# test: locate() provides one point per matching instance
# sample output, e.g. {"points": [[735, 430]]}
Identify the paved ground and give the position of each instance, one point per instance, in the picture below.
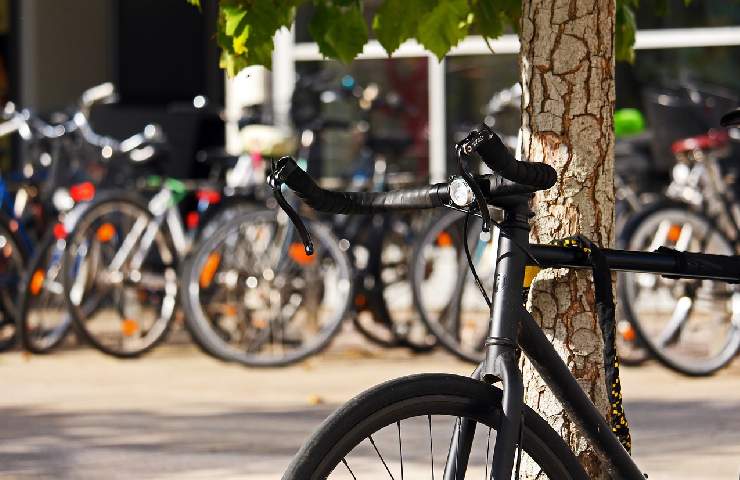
{"points": [[179, 414]]}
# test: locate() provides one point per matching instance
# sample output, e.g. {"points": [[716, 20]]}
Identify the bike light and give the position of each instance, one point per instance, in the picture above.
{"points": [[210, 196], [82, 192], [60, 233], [460, 192], [192, 220]]}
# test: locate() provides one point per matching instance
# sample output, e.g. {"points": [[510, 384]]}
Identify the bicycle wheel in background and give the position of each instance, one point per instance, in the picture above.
{"points": [[690, 326], [43, 319], [251, 294], [389, 317], [12, 263], [119, 276], [445, 293], [404, 428]]}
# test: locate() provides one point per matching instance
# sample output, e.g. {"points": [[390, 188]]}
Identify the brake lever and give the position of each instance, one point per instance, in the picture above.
{"points": [[463, 150], [276, 184]]}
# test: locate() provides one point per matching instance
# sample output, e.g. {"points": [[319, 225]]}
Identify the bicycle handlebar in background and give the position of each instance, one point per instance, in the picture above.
{"points": [[103, 93]]}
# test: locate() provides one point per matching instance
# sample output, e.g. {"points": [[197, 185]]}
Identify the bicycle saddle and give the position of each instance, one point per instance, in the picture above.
{"points": [[268, 140], [731, 119], [711, 140]]}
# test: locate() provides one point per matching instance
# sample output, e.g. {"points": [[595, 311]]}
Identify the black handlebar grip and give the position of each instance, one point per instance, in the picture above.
{"points": [[288, 172], [498, 158]]}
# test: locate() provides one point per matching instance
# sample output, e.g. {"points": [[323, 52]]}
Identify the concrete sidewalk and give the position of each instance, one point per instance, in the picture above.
{"points": [[179, 414]]}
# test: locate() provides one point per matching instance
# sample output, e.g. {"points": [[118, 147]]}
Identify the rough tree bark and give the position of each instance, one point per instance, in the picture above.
{"points": [[567, 64]]}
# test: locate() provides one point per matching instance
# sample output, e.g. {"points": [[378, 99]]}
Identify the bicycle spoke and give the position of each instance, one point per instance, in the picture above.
{"points": [[678, 320], [400, 447], [344, 461], [488, 451], [431, 444], [372, 442]]}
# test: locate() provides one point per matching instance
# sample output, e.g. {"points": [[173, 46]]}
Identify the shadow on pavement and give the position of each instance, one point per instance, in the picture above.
{"points": [[249, 444]]}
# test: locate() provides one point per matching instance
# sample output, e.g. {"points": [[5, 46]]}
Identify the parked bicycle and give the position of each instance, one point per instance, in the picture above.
{"points": [[37, 196], [391, 428], [690, 326]]}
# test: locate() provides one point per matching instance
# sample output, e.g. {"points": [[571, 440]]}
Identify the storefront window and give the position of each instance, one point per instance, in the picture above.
{"points": [[362, 110]]}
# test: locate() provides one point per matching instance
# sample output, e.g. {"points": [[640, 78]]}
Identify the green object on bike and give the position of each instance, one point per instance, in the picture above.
{"points": [[628, 121], [177, 188], [153, 181]]}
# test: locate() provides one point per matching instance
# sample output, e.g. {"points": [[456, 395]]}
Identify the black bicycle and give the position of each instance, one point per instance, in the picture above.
{"points": [[397, 429]]}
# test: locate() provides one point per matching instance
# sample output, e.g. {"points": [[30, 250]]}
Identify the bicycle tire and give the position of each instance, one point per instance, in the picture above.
{"points": [[199, 322], [379, 251], [48, 340], [12, 263], [112, 202], [418, 269], [419, 396], [410, 329], [626, 290]]}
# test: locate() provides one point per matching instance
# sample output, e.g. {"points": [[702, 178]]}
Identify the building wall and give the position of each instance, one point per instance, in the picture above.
{"points": [[65, 47]]}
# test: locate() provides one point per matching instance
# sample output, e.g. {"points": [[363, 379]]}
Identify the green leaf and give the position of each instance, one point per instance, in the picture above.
{"points": [[233, 16], [319, 27], [233, 64], [512, 10], [488, 18], [625, 29], [396, 21], [339, 29], [349, 36], [195, 3], [442, 27]]}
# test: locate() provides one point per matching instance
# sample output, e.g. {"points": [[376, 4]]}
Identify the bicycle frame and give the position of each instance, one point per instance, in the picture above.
{"points": [[512, 327]]}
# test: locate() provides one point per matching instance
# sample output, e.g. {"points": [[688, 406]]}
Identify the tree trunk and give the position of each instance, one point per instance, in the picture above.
{"points": [[567, 64]]}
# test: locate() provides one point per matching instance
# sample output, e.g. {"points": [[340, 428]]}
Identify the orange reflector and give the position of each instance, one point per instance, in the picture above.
{"points": [[360, 300], [37, 281], [106, 232], [60, 233], [298, 253], [129, 327], [628, 332], [259, 323], [444, 239], [209, 269], [674, 233], [230, 310]]}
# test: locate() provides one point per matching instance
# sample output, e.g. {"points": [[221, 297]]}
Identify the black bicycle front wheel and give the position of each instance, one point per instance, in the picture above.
{"points": [[404, 428]]}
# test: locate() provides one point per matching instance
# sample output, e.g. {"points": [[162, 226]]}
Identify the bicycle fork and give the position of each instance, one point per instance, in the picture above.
{"points": [[501, 362]]}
